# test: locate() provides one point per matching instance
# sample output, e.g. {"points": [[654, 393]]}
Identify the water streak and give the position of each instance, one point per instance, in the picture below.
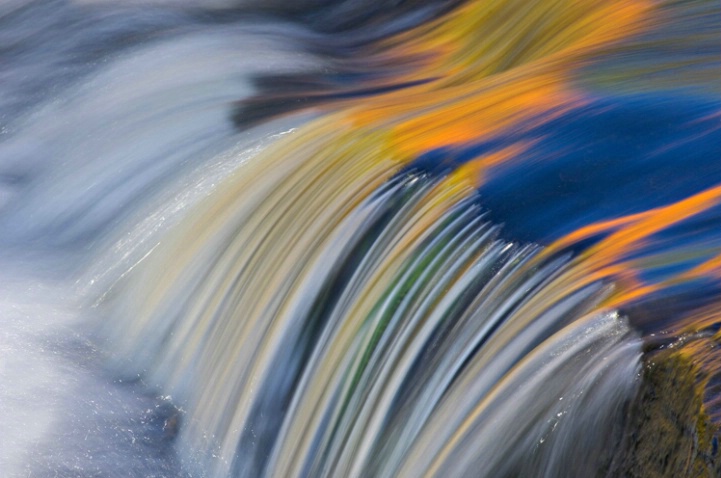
{"points": [[346, 239]]}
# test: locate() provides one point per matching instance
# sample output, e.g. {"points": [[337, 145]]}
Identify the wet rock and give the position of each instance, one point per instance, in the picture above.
{"points": [[668, 432]]}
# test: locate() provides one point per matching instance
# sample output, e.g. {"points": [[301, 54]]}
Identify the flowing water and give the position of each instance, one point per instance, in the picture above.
{"points": [[348, 239]]}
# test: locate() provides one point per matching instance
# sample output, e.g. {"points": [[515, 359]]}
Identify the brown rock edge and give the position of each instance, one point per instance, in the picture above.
{"points": [[667, 432]]}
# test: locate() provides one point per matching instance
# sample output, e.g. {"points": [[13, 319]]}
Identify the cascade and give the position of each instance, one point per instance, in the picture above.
{"points": [[326, 239]]}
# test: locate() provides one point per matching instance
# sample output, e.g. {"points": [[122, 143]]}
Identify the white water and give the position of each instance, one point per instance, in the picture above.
{"points": [[142, 270], [103, 145]]}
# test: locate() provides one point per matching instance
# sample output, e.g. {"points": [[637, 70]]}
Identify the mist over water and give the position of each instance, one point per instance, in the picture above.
{"points": [[114, 122], [348, 239]]}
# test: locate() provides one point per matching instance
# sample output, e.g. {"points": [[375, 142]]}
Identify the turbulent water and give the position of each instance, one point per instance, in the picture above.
{"points": [[351, 238]]}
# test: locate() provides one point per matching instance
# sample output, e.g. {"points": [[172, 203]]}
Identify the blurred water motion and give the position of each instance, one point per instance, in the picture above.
{"points": [[350, 238]]}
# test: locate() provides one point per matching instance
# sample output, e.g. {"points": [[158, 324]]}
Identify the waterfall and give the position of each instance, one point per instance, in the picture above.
{"points": [[443, 238]]}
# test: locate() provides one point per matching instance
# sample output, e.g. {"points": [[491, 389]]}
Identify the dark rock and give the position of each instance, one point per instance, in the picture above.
{"points": [[668, 432]]}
